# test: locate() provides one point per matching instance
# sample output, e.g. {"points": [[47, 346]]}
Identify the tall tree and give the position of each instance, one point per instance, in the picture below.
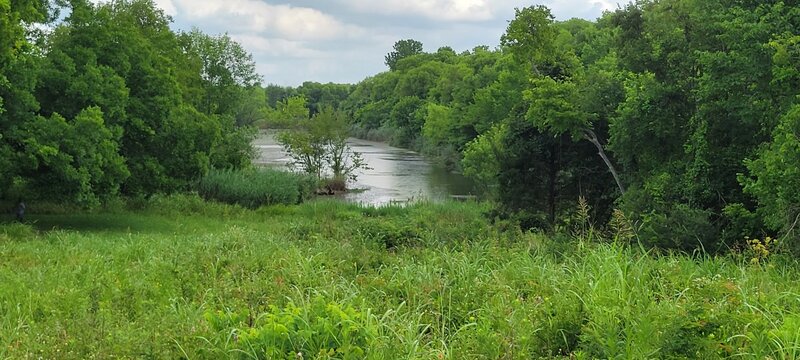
{"points": [[402, 49], [69, 156], [556, 72], [16, 79], [122, 57], [531, 36], [226, 70], [775, 178]]}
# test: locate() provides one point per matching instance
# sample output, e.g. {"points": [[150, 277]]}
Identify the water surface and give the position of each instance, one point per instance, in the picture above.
{"points": [[396, 175]]}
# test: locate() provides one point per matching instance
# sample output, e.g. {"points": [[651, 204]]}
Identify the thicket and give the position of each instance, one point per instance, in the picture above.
{"points": [[109, 101]]}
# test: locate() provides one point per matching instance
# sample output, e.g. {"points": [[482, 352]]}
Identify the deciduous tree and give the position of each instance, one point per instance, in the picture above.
{"points": [[402, 49]]}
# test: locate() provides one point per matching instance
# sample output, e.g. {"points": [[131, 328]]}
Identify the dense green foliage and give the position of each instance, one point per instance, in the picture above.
{"points": [[253, 188], [474, 111], [285, 107], [111, 101], [185, 278], [691, 107]]}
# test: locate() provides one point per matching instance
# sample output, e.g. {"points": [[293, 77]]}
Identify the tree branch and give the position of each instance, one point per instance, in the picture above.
{"points": [[590, 135]]}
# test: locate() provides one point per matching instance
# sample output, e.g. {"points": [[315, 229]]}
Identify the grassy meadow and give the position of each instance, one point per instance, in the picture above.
{"points": [[177, 277]]}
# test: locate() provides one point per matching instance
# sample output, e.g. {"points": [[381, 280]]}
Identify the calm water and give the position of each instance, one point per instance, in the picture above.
{"points": [[397, 175]]}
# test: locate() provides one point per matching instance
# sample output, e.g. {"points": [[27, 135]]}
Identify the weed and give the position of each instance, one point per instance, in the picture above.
{"points": [[759, 250], [16, 231], [319, 329]]}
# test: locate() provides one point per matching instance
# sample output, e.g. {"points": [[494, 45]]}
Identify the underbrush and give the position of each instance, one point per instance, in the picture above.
{"points": [[330, 280], [17, 231]]}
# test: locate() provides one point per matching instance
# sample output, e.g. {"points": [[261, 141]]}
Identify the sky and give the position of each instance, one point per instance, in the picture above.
{"points": [[345, 41]]}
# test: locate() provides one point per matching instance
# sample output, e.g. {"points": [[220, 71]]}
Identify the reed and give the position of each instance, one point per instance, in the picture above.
{"points": [[255, 187]]}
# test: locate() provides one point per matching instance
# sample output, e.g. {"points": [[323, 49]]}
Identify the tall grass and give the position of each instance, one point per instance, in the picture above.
{"points": [[334, 281], [255, 187]]}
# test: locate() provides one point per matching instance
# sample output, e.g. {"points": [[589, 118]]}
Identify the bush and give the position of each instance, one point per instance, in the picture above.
{"points": [[680, 227], [254, 188], [666, 223], [388, 232], [773, 179], [319, 329]]}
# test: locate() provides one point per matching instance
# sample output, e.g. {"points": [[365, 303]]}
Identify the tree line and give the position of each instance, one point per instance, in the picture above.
{"points": [[98, 101], [682, 114]]}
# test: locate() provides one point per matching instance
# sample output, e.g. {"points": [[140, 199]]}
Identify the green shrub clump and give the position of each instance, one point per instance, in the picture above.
{"points": [[320, 329], [255, 187]]}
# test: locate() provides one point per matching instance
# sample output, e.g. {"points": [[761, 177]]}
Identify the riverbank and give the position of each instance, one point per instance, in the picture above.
{"points": [[183, 278]]}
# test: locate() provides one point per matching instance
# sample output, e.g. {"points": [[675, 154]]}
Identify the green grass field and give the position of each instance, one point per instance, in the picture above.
{"points": [[180, 278]]}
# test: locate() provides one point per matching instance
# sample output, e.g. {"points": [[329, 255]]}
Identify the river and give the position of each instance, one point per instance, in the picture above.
{"points": [[395, 176]]}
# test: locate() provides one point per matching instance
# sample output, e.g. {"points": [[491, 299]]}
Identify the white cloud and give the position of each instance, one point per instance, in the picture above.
{"points": [[590, 9], [345, 40], [260, 45], [167, 6], [606, 5], [447, 10], [292, 23]]}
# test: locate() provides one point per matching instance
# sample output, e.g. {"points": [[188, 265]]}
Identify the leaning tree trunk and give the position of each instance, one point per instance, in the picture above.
{"points": [[590, 135]]}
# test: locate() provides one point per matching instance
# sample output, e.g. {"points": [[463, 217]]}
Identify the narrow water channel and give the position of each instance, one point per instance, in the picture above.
{"points": [[395, 176]]}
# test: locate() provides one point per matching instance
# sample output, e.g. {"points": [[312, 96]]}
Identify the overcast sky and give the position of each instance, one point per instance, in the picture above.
{"points": [[345, 41]]}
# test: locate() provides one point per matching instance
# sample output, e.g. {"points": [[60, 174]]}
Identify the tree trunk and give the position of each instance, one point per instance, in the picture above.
{"points": [[592, 137], [551, 191]]}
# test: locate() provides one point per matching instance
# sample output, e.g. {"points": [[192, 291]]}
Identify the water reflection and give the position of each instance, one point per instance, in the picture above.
{"points": [[396, 175]]}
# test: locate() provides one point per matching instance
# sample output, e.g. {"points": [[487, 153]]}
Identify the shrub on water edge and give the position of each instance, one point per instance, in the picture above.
{"points": [[255, 187], [307, 185], [336, 184]]}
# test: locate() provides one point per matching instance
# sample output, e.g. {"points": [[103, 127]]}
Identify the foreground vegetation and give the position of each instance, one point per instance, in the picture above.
{"points": [[179, 277]]}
